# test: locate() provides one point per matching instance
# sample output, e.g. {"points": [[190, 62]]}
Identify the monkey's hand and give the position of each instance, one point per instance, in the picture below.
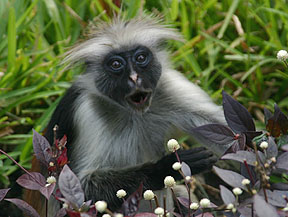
{"points": [[198, 159]]}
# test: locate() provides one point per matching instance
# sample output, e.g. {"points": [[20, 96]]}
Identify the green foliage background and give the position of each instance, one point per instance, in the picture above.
{"points": [[230, 44]]}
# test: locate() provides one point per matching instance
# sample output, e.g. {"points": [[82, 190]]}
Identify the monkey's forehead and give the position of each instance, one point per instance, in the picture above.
{"points": [[121, 34]]}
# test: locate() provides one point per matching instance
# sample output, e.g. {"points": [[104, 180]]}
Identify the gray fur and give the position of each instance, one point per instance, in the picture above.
{"points": [[108, 136]]}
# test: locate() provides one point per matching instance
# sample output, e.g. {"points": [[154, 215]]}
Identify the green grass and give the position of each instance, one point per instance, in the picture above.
{"points": [[35, 35]]}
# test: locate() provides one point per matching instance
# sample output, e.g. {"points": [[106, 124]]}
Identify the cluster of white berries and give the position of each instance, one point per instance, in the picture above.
{"points": [[282, 55], [50, 180], [159, 211], [264, 145], [245, 182], [176, 166], [148, 195], [101, 206], [194, 206], [173, 145], [121, 193], [237, 191], [169, 182]]}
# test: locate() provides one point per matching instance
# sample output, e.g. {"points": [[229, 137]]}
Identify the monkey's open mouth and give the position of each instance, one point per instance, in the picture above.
{"points": [[139, 99]]}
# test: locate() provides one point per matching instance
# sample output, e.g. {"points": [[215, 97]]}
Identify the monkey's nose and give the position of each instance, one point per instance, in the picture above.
{"points": [[134, 77]]}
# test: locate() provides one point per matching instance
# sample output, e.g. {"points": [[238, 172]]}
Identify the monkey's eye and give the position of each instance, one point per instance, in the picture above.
{"points": [[116, 64], [141, 58]]}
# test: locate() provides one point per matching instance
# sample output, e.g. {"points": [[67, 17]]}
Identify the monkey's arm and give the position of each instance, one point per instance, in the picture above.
{"points": [[103, 184]]}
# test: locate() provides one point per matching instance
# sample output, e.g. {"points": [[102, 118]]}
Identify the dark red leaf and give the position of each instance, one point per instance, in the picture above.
{"points": [[62, 159], [61, 212], [25, 207], [32, 181], [185, 169], [3, 193], [70, 187], [273, 127], [231, 178], [131, 205], [267, 115], [236, 115], [216, 136], [42, 148], [226, 195], [145, 214], [282, 119], [47, 191], [282, 161], [73, 213], [262, 208], [184, 201], [240, 156]]}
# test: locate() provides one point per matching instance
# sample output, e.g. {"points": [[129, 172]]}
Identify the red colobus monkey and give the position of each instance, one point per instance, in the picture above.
{"points": [[119, 114]]}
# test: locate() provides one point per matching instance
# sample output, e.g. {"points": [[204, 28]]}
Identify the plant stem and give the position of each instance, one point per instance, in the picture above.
{"points": [[177, 156], [156, 201], [177, 203], [164, 205], [22, 168], [265, 195], [249, 172]]}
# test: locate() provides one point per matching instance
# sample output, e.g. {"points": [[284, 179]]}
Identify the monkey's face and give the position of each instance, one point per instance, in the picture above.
{"points": [[130, 77]]}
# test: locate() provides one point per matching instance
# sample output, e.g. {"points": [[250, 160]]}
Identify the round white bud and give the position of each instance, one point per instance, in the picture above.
{"points": [[245, 182], [264, 145], [234, 210], [159, 211], [65, 205], [273, 159], [121, 193], [188, 178], [101, 205], [173, 145], [51, 179], [230, 206], [169, 181], [118, 215], [176, 166], [148, 195], [194, 206], [205, 203], [282, 55], [106, 215], [237, 191], [51, 164]]}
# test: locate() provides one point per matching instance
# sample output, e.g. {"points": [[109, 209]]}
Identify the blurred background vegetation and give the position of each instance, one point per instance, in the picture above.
{"points": [[230, 45]]}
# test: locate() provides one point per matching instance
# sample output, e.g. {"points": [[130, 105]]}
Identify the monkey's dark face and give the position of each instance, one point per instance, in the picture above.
{"points": [[130, 77]]}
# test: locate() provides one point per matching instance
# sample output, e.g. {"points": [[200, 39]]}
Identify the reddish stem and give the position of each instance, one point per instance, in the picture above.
{"points": [[249, 172]]}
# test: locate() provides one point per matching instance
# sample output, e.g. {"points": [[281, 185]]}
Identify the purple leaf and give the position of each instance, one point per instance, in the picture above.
{"points": [[250, 135], [32, 181], [282, 161], [184, 201], [185, 169], [216, 136], [25, 207], [41, 148], [145, 214], [240, 156], [47, 191], [262, 208], [280, 186], [231, 178], [131, 204], [275, 198], [61, 212], [226, 195], [236, 115], [272, 150], [70, 186], [284, 147], [3, 193]]}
